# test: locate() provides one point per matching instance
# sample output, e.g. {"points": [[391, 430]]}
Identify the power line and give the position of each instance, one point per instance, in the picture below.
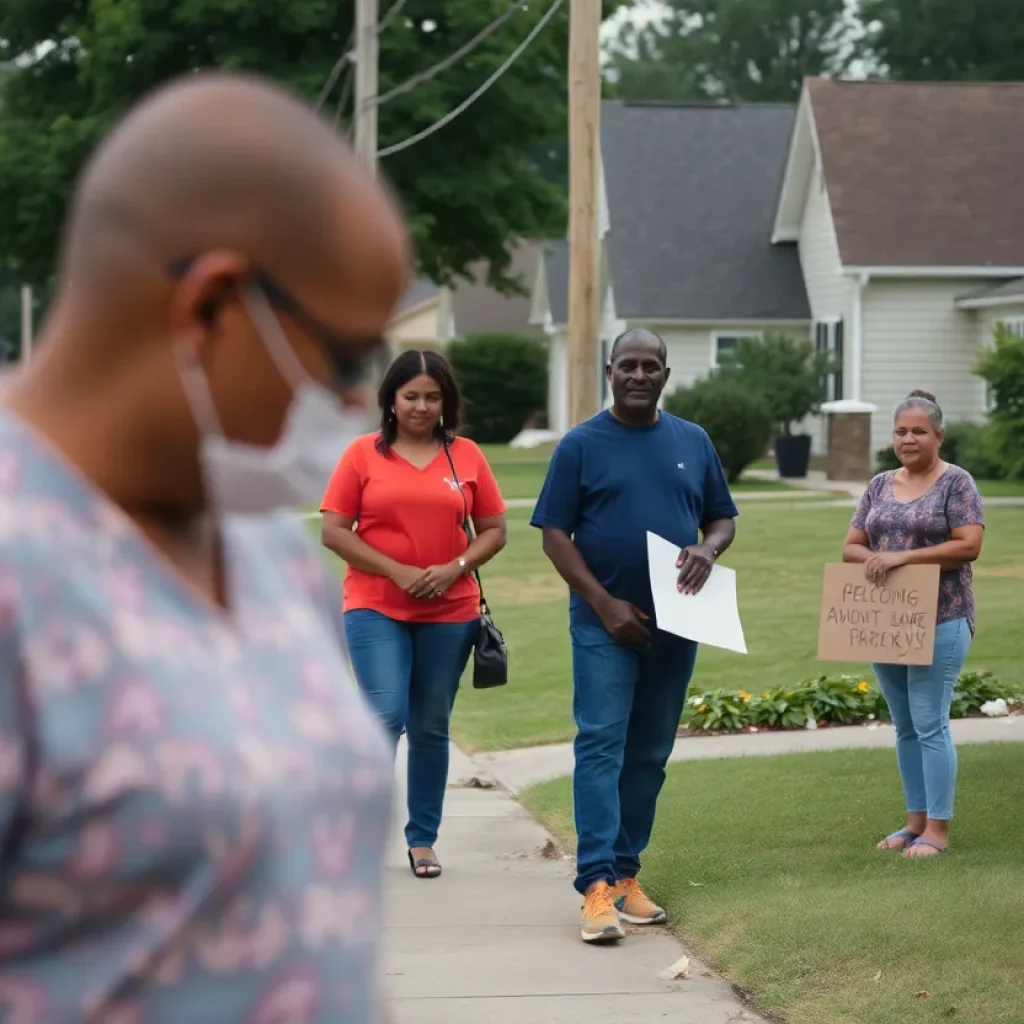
{"points": [[339, 65], [426, 76], [392, 12], [469, 101]]}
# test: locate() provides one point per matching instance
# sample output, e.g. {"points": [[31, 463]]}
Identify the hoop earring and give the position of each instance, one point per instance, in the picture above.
{"points": [[440, 421], [392, 414]]}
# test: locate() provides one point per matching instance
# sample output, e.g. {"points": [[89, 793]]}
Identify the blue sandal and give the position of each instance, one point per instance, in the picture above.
{"points": [[911, 837], [925, 842]]}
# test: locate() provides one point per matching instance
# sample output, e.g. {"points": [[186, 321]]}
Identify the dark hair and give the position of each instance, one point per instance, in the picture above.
{"points": [[406, 367], [639, 334], [925, 401]]}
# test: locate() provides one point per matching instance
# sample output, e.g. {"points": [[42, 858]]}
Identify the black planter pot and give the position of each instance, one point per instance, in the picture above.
{"points": [[793, 456]]}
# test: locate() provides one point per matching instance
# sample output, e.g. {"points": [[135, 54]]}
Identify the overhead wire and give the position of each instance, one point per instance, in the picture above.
{"points": [[470, 100]]}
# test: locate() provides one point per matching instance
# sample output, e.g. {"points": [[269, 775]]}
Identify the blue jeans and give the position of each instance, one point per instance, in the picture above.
{"points": [[410, 674], [627, 703], [919, 699]]}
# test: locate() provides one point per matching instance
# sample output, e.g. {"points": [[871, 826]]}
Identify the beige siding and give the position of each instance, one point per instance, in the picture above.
{"points": [[988, 318], [829, 293], [916, 337], [416, 329]]}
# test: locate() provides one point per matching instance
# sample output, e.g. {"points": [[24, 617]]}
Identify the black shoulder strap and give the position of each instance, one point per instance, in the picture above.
{"points": [[466, 524]]}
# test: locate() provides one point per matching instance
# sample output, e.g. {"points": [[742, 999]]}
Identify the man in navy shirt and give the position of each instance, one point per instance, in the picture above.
{"points": [[628, 470]]}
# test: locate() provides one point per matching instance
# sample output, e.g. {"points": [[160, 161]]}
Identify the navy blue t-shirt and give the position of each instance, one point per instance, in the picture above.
{"points": [[609, 483]]}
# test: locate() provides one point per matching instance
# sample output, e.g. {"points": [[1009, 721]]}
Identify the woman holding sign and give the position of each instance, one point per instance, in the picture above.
{"points": [[928, 512]]}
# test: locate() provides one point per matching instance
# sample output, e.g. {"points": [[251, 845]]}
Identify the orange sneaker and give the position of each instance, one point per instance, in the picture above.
{"points": [[601, 922], [634, 905]]}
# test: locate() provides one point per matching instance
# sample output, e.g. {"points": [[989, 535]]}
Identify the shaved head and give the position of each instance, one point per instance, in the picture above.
{"points": [[641, 334], [213, 189], [219, 161]]}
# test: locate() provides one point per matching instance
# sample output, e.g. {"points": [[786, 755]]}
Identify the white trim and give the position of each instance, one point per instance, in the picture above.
{"points": [[991, 302], [723, 324], [803, 120], [970, 271], [857, 338], [717, 334], [848, 405]]}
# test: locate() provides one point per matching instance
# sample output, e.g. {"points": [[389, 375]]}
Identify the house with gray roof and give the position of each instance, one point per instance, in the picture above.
{"points": [[882, 219]]}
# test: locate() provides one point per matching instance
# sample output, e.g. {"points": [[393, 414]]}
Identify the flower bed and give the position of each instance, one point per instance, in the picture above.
{"points": [[831, 701]]}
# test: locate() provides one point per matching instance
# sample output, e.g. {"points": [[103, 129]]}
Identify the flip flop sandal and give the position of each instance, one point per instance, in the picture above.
{"points": [[903, 833], [926, 842], [429, 868]]}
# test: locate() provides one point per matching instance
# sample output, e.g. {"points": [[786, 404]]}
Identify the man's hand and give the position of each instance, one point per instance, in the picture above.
{"points": [[695, 564], [624, 621], [433, 582], [878, 566]]}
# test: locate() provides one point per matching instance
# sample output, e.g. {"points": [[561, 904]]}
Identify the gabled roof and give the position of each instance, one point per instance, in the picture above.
{"points": [[1009, 294], [921, 175], [692, 190], [478, 308], [417, 294]]}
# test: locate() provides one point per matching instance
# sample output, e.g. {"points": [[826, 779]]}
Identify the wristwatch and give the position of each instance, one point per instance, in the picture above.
{"points": [[463, 565]]}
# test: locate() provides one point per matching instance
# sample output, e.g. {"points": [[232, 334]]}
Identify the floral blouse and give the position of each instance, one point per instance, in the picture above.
{"points": [[891, 525], [194, 803]]}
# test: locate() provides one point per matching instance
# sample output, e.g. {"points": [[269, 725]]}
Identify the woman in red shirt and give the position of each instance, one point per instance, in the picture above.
{"points": [[394, 512]]}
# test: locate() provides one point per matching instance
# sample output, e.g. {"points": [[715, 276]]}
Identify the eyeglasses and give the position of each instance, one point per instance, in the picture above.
{"points": [[347, 370]]}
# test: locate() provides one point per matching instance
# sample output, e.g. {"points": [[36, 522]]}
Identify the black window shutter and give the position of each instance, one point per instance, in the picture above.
{"points": [[837, 380]]}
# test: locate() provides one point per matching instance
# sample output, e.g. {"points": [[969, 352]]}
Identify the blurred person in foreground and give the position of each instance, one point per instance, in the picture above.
{"points": [[395, 512], [625, 471], [194, 799], [928, 512]]}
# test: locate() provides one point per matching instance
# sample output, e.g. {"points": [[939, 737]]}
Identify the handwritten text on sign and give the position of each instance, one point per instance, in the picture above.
{"points": [[889, 624]]}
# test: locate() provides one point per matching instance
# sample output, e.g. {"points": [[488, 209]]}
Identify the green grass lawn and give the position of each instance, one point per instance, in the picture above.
{"points": [[779, 554], [767, 867]]}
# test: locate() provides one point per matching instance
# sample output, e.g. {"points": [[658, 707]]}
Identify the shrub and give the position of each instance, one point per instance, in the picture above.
{"points": [[1002, 367], [838, 700], [504, 381], [972, 446], [787, 371], [738, 420]]}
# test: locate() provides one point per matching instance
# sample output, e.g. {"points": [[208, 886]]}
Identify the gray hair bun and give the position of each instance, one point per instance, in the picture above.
{"points": [[923, 400], [926, 395]]}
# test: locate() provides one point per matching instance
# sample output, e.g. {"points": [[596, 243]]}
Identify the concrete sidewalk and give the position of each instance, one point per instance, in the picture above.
{"points": [[495, 940], [517, 770]]}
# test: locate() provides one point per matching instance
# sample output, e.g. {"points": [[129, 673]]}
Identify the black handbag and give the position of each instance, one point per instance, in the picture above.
{"points": [[490, 654]]}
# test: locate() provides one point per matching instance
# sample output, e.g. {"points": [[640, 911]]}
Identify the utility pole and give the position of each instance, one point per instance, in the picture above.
{"points": [[366, 82], [584, 246], [27, 326]]}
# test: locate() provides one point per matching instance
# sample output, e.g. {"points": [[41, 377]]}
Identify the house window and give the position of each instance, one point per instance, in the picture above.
{"points": [[1015, 327], [724, 343], [828, 340]]}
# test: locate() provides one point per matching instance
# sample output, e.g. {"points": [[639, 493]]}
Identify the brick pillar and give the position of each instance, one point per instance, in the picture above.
{"points": [[849, 454]]}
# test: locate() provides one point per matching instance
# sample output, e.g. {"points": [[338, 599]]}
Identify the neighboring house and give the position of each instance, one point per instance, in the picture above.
{"points": [[898, 203], [686, 209], [430, 317]]}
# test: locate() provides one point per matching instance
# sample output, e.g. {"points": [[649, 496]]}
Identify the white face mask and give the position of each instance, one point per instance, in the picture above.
{"points": [[244, 479]]}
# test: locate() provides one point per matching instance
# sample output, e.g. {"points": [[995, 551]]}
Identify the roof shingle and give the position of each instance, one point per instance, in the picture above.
{"points": [[923, 174], [692, 191]]}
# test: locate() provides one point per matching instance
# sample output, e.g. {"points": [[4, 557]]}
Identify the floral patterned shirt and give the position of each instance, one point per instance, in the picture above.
{"points": [[891, 525], [194, 803]]}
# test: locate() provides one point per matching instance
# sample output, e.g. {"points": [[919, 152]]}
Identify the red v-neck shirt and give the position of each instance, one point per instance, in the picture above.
{"points": [[415, 517]]}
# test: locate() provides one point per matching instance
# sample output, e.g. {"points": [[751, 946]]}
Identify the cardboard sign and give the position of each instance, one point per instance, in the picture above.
{"points": [[892, 624]]}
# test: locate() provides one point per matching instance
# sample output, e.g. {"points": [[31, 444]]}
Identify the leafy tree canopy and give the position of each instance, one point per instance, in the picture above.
{"points": [[469, 189], [750, 50]]}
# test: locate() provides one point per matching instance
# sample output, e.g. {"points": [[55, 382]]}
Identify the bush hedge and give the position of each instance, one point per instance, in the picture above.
{"points": [[738, 420], [839, 700], [504, 382]]}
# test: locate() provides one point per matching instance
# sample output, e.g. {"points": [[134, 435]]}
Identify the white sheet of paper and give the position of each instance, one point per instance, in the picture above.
{"points": [[711, 617]]}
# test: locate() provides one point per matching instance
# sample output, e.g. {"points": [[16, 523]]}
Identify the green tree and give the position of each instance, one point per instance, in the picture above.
{"points": [[504, 382], [787, 371], [750, 50], [1002, 368], [468, 189], [944, 40]]}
